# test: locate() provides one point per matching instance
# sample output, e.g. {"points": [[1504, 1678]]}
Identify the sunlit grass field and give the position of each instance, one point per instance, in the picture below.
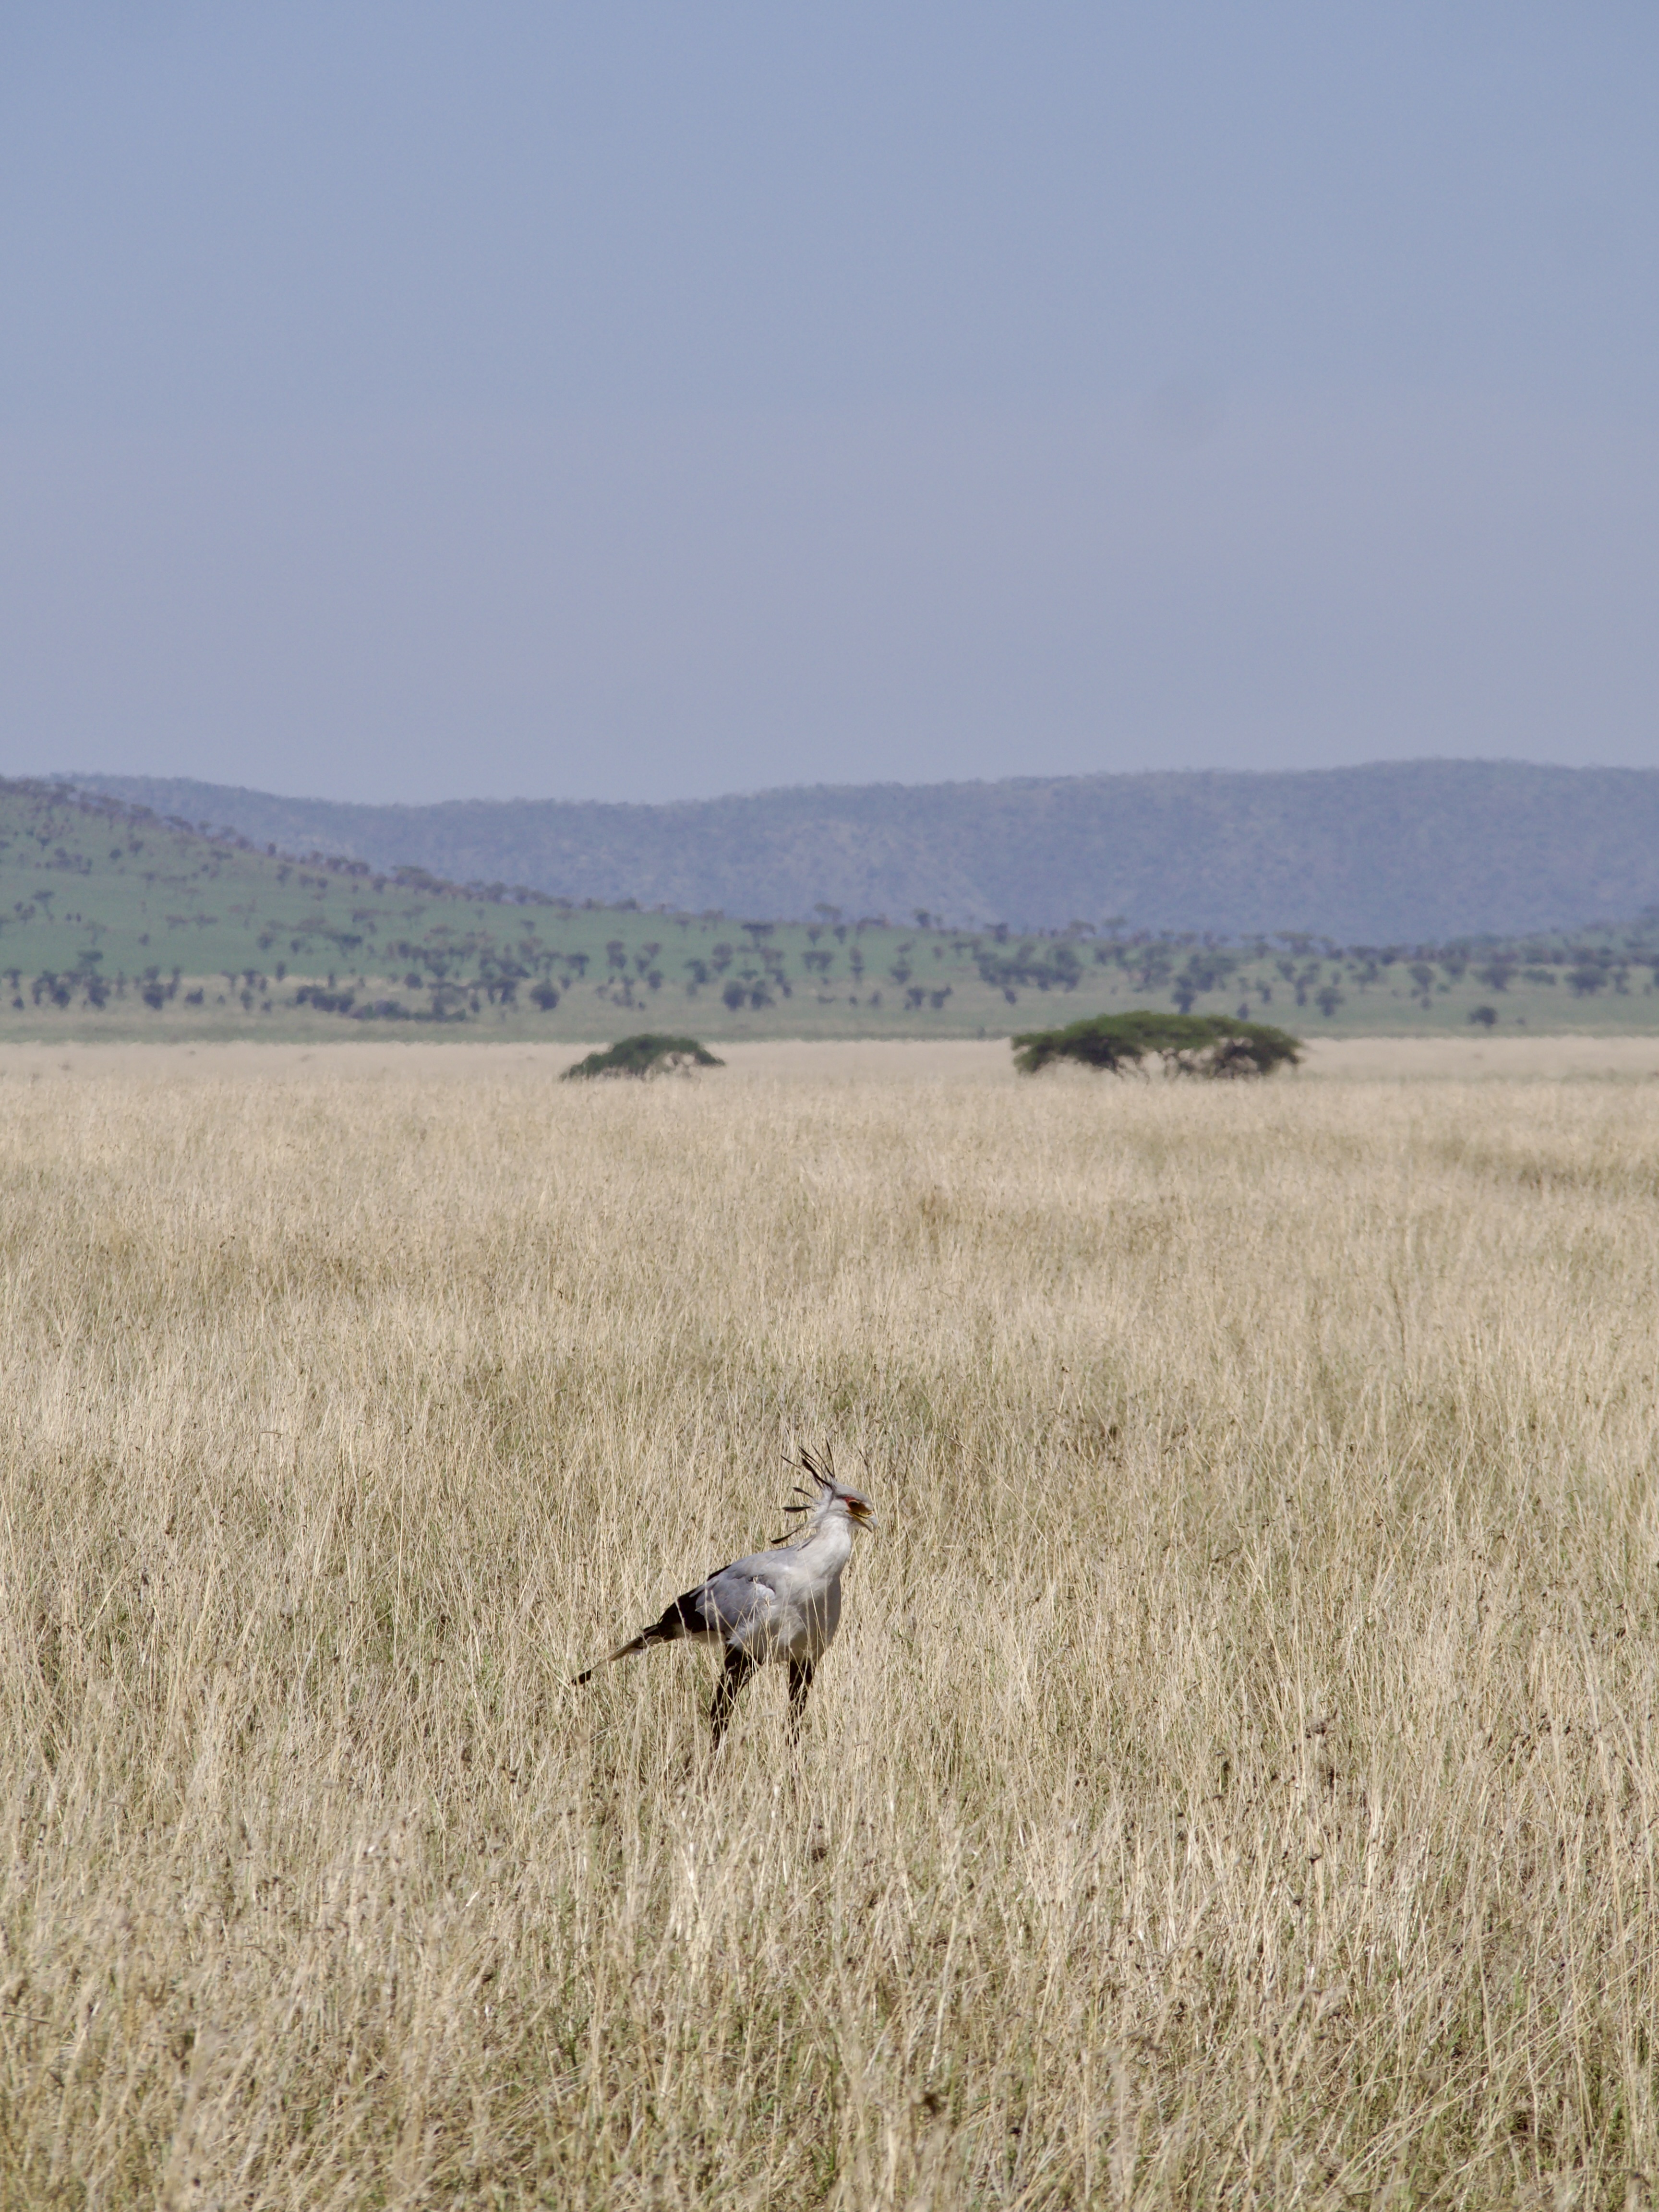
{"points": [[1235, 1782]]}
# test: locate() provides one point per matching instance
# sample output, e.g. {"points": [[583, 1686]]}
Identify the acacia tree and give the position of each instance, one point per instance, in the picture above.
{"points": [[649, 1054], [1187, 1044]]}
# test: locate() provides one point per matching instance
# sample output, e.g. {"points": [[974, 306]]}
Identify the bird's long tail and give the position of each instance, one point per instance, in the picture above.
{"points": [[681, 1619]]}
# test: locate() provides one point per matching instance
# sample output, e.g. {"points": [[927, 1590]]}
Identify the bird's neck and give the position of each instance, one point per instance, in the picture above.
{"points": [[830, 1543]]}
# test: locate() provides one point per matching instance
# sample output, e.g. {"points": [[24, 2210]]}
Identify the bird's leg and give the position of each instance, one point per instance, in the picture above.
{"points": [[738, 1667], [800, 1681]]}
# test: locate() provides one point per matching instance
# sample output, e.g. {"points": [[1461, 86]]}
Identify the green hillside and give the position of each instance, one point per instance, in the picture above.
{"points": [[116, 922], [1398, 850]]}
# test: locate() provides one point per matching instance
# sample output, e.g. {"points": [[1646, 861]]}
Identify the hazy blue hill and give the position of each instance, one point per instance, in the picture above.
{"points": [[1416, 849]]}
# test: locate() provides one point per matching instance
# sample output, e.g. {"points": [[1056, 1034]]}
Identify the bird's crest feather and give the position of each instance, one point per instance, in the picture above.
{"points": [[825, 1488]]}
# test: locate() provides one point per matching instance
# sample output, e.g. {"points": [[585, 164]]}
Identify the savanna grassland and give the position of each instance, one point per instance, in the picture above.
{"points": [[1235, 1782]]}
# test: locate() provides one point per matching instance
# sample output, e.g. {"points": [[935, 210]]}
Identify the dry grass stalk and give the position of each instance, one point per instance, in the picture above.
{"points": [[1235, 1782]]}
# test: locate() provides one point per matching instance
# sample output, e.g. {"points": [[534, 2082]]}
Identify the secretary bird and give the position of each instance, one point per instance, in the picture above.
{"points": [[781, 1604]]}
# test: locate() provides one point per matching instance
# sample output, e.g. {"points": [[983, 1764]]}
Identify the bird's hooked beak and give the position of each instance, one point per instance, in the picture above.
{"points": [[859, 1514]]}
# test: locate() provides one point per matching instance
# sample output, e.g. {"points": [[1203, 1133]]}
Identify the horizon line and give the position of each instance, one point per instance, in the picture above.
{"points": [[82, 778]]}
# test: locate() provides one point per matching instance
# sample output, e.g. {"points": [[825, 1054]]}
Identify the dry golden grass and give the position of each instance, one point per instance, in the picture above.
{"points": [[861, 1060], [1235, 1782]]}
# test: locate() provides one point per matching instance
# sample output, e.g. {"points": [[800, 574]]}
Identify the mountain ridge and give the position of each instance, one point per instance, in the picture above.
{"points": [[1381, 852]]}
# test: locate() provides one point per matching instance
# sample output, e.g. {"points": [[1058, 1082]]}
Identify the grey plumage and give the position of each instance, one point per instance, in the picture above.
{"points": [[782, 1604]]}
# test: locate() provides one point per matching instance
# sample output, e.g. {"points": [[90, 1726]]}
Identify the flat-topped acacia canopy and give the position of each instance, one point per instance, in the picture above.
{"points": [[649, 1054], [1187, 1044]]}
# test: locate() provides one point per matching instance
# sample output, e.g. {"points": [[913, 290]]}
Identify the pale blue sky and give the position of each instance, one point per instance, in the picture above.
{"points": [[639, 402]]}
